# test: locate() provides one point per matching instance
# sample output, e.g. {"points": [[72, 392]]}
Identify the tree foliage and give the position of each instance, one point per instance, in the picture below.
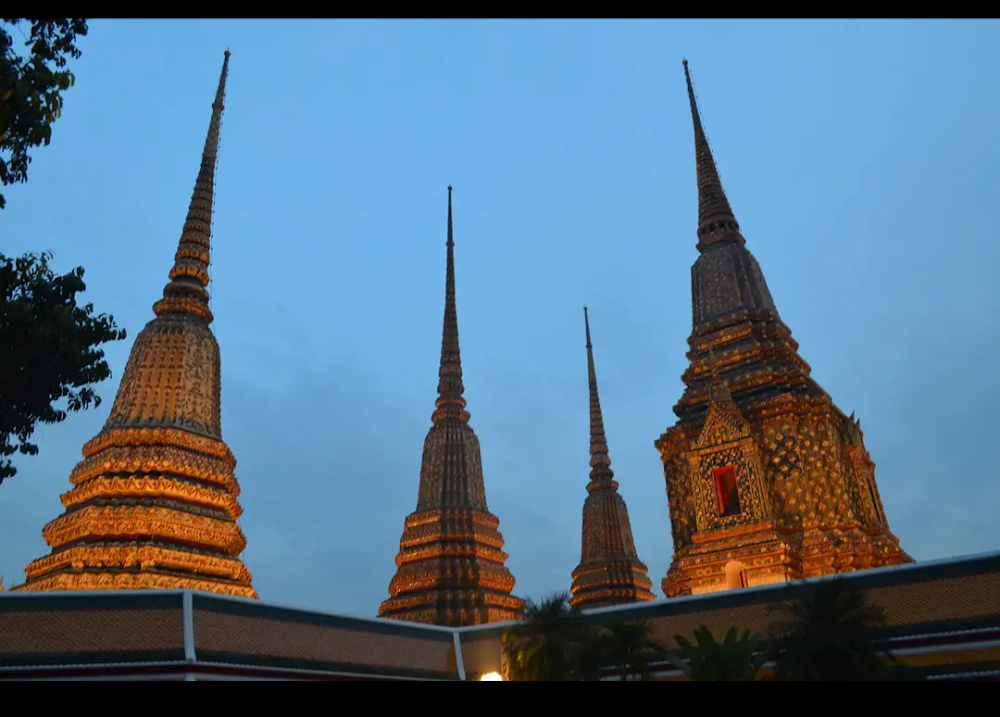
{"points": [[831, 633], [50, 356], [553, 643], [545, 645], [627, 647], [31, 87], [737, 658]]}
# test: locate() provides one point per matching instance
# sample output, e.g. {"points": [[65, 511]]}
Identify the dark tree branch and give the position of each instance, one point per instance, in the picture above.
{"points": [[50, 355]]}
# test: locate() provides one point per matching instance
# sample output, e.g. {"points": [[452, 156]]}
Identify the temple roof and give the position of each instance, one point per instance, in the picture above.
{"points": [[943, 617]]}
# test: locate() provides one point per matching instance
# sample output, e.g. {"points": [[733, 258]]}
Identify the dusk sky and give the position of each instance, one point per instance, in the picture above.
{"points": [[861, 160]]}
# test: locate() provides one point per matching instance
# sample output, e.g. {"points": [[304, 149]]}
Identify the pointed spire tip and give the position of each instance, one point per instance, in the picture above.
{"points": [[450, 388], [600, 463], [716, 221], [187, 291], [228, 53]]}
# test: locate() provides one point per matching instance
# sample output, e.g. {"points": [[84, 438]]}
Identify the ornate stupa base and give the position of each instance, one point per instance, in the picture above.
{"points": [[451, 571], [142, 579], [764, 555], [601, 583]]}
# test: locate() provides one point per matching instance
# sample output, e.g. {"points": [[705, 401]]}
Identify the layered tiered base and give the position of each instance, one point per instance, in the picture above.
{"points": [[762, 554], [451, 572], [601, 583], [150, 508]]}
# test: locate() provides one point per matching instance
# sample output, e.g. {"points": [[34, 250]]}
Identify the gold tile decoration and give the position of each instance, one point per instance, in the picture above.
{"points": [[450, 569], [610, 572], [810, 504], [153, 503]]}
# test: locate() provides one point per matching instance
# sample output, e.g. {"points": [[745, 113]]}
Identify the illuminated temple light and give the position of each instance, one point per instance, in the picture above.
{"points": [[154, 500]]}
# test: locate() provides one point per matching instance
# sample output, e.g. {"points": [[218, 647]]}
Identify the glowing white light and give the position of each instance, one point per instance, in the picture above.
{"points": [[491, 677]]}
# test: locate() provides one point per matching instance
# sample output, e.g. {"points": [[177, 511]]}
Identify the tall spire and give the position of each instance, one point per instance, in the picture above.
{"points": [[451, 565], [610, 571], [154, 502], [186, 292], [759, 491], [600, 462], [716, 221], [451, 401]]}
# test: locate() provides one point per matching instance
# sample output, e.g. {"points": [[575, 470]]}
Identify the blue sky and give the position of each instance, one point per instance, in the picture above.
{"points": [[860, 158]]}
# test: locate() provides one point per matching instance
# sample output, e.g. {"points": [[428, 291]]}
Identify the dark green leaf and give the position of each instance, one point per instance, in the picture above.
{"points": [[52, 359]]}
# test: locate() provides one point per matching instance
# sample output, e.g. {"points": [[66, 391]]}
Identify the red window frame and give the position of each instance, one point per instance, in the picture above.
{"points": [[720, 475]]}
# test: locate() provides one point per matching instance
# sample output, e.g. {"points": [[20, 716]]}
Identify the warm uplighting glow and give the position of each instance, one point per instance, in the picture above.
{"points": [[491, 677]]}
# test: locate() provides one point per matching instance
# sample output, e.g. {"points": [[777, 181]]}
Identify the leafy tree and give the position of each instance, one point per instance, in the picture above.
{"points": [[48, 344], [628, 646], [737, 658], [591, 651], [546, 644], [831, 633], [31, 87], [552, 644], [49, 351]]}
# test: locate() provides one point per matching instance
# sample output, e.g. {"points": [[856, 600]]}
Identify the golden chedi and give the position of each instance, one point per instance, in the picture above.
{"points": [[154, 500], [451, 566], [610, 572], [767, 480]]}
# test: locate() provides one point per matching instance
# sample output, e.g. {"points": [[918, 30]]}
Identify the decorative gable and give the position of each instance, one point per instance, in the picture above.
{"points": [[725, 467], [724, 424]]}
